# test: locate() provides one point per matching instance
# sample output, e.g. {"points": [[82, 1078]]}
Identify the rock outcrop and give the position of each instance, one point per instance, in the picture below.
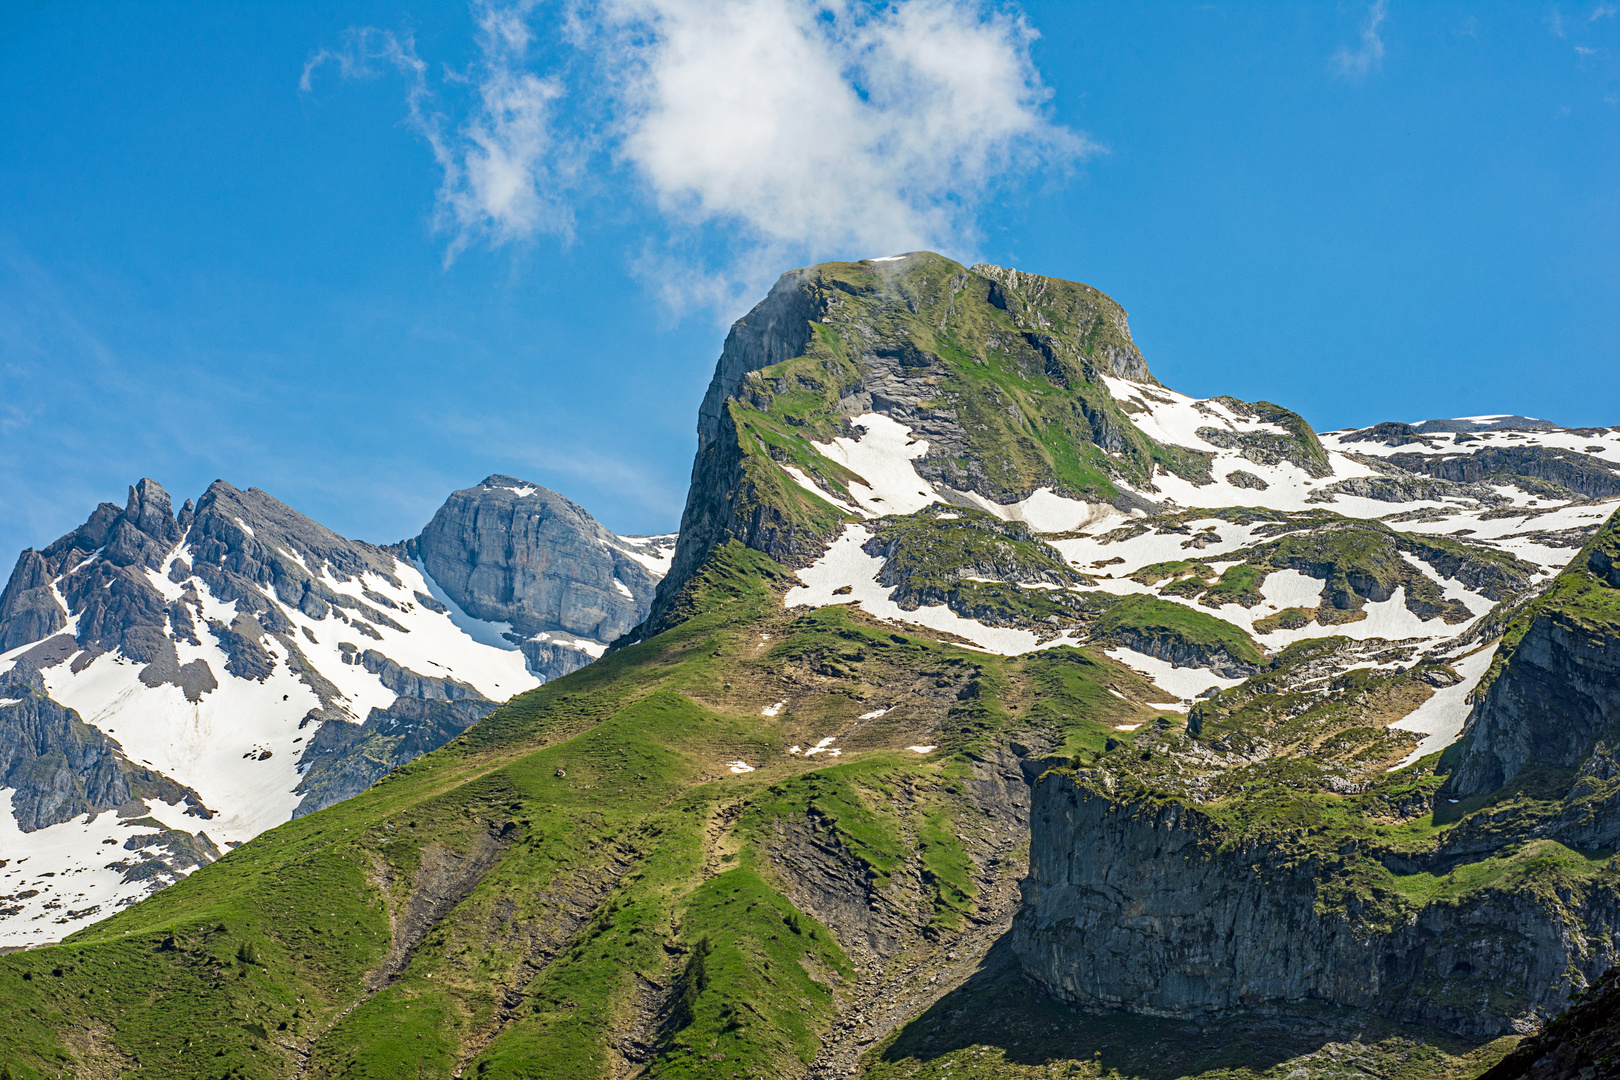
{"points": [[874, 337], [59, 767], [1554, 696], [1153, 907], [507, 551], [1580, 473], [1580, 1043]]}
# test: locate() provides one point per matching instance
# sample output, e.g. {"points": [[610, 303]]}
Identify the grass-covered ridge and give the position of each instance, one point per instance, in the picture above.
{"points": [[929, 552], [1176, 633], [581, 880]]}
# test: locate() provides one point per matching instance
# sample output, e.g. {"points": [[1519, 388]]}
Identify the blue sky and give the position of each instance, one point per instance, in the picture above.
{"points": [[360, 254]]}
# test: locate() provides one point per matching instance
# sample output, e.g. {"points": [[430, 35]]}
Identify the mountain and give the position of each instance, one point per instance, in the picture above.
{"points": [[173, 684], [1003, 712], [514, 553]]}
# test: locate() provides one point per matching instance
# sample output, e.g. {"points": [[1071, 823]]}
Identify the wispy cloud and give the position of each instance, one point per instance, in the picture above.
{"points": [[1369, 56], [501, 165], [504, 170], [1602, 11], [785, 128]]}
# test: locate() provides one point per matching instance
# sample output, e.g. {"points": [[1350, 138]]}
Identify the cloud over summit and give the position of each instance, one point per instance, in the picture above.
{"points": [[786, 128]]}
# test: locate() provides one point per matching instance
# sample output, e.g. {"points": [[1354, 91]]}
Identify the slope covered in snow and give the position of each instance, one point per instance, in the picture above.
{"points": [[258, 666]]}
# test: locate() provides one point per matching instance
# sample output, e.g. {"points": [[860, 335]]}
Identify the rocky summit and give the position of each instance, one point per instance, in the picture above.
{"points": [[514, 553], [1003, 713]]}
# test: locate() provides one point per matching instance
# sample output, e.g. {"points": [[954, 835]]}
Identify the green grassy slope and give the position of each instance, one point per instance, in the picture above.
{"points": [[579, 880]]}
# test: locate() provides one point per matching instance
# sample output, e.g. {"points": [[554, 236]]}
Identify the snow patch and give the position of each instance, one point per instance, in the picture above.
{"points": [[883, 457], [85, 887], [815, 489], [1290, 588], [492, 634], [1047, 512], [1183, 682], [845, 563], [1440, 719]]}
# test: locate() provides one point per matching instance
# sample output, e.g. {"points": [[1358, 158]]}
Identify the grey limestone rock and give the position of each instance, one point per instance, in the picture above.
{"points": [[1144, 906], [510, 551], [1583, 474], [776, 329], [1557, 696], [29, 610], [59, 767], [1483, 423], [345, 759], [1242, 478]]}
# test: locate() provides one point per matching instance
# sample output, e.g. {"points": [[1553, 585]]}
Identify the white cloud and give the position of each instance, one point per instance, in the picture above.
{"points": [[364, 48], [1602, 11], [502, 167], [786, 128], [827, 129], [1370, 56]]}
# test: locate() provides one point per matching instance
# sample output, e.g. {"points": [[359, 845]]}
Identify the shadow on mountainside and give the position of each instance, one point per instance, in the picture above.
{"points": [[997, 1024]]}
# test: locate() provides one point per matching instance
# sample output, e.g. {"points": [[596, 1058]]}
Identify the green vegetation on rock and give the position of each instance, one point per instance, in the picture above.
{"points": [[1177, 633]]}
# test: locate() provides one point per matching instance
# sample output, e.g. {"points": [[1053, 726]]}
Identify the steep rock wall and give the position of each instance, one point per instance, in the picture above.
{"points": [[509, 551], [1146, 906]]}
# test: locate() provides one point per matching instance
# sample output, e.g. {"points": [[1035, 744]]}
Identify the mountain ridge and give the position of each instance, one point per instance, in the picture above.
{"points": [[780, 828], [204, 644]]}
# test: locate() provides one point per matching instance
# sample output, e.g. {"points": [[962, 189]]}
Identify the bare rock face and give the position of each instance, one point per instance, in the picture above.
{"points": [[1148, 907], [1555, 701], [507, 551], [1580, 473], [59, 767]]}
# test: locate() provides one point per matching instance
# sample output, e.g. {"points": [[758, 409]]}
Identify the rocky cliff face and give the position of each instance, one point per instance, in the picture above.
{"points": [[1154, 907], [1581, 473], [59, 767], [512, 552], [717, 504], [1228, 869], [1581, 1043], [1554, 698]]}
